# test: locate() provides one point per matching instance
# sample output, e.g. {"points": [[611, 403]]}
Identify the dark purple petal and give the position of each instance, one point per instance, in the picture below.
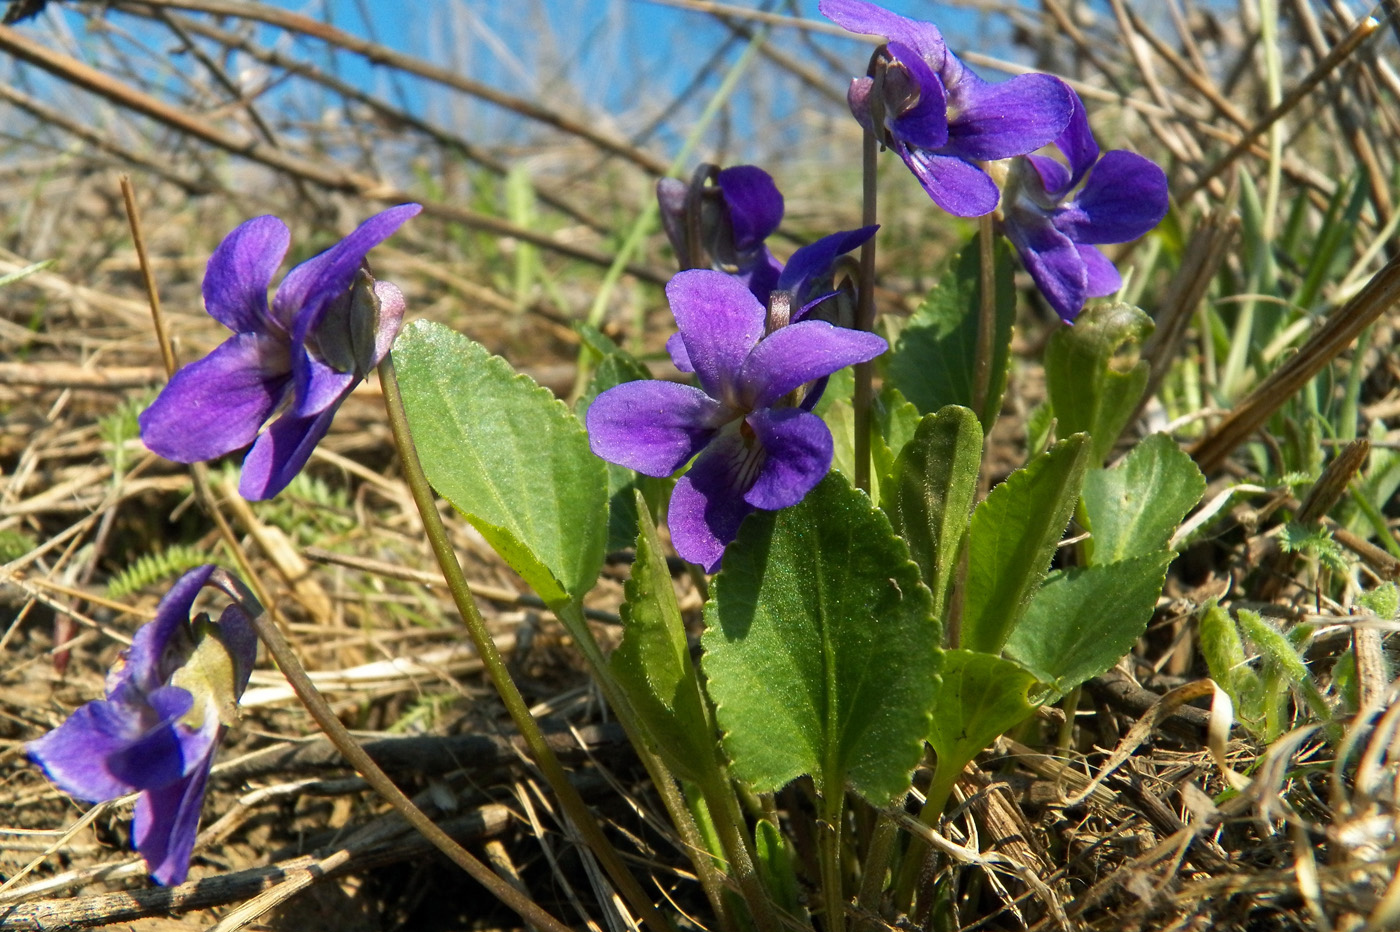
{"points": [[925, 123], [1077, 143], [391, 311], [1125, 196], [720, 321], [672, 196], [167, 818], [1055, 265], [798, 449], [858, 99], [800, 353], [317, 386], [707, 505], [679, 357], [871, 20], [755, 204], [810, 267], [760, 275], [958, 186], [157, 648], [74, 755], [240, 273], [156, 758], [1103, 279], [997, 121], [309, 288], [651, 426], [217, 404], [1054, 177], [281, 452]]}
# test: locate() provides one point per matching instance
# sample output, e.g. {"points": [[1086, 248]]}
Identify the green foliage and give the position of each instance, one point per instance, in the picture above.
{"points": [[1384, 600], [310, 510], [1223, 649], [1314, 541], [151, 568], [652, 664], [821, 648], [979, 697], [119, 427], [15, 543], [1014, 533], [1092, 373], [1082, 620], [777, 865], [895, 421], [1134, 508], [509, 456], [932, 363], [28, 270], [930, 494]]}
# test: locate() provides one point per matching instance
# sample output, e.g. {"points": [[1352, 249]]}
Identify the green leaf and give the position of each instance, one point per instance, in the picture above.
{"points": [[1083, 620], [1135, 507], [1014, 533], [821, 649], [1092, 387], [509, 456], [840, 418], [777, 865], [652, 664], [979, 697], [614, 369], [930, 494], [895, 421], [932, 363], [1223, 650]]}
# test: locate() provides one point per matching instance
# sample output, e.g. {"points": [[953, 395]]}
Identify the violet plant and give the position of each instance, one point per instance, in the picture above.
{"points": [[834, 647]]}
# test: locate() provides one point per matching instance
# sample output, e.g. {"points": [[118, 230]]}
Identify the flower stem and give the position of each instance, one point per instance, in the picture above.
{"points": [[986, 322], [945, 776], [863, 396], [325, 717], [829, 854], [495, 667]]}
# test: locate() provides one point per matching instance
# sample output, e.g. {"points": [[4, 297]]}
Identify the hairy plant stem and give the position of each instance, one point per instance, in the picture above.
{"points": [[574, 807], [875, 865], [325, 717], [863, 396]]}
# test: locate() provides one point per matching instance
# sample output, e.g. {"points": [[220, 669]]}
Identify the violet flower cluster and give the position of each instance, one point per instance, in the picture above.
{"points": [[169, 700], [1055, 215], [328, 325], [755, 447], [944, 121], [940, 117]]}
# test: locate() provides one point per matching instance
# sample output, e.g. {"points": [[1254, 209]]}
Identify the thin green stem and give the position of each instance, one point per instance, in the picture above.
{"points": [[986, 321], [945, 777], [829, 853], [325, 717], [863, 397], [877, 864], [734, 841], [554, 773]]}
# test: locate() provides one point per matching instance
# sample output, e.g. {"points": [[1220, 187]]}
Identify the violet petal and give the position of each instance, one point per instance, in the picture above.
{"points": [[653, 427], [1054, 177], [310, 287], [755, 204], [958, 186], [675, 345], [281, 452], [74, 755], [925, 124], [1055, 265], [812, 263], [1125, 196], [1077, 143], [1103, 277], [868, 19], [997, 121], [151, 658], [391, 311], [719, 320], [798, 448], [240, 272], [707, 505], [317, 385], [217, 404], [167, 819], [800, 353]]}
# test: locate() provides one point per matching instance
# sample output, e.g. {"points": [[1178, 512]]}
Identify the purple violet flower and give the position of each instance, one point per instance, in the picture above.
{"points": [[757, 446], [168, 701], [1054, 214], [734, 219], [328, 325], [940, 117]]}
